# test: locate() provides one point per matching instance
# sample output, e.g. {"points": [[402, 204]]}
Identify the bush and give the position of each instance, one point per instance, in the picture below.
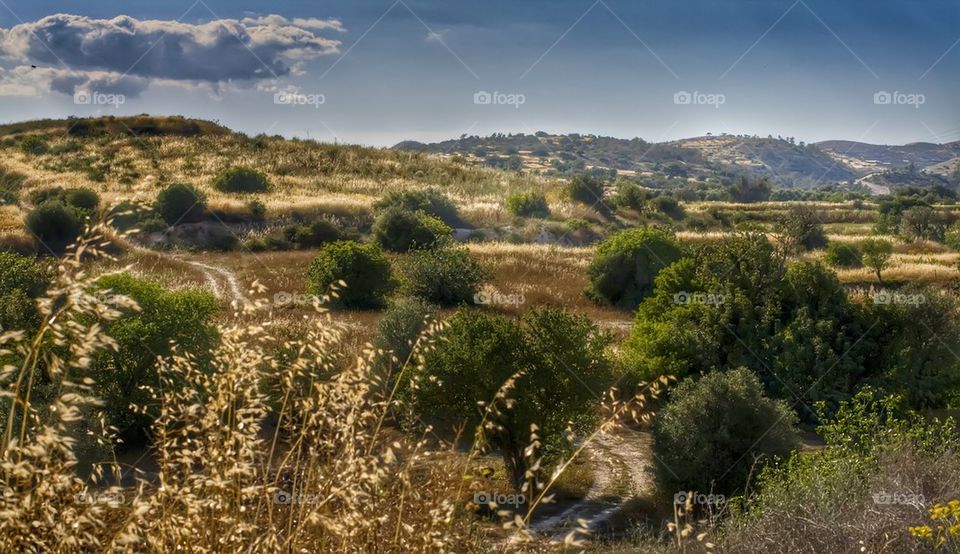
{"points": [[528, 204], [712, 431], [258, 210], [33, 145], [313, 235], [429, 201], [180, 203], [876, 255], [400, 230], [241, 180], [562, 357], [447, 275], [364, 269], [952, 236], [40, 196], [587, 189], [181, 317], [401, 325], [840, 254], [625, 265], [668, 206], [21, 280], [801, 230], [54, 224], [630, 196], [81, 198]]}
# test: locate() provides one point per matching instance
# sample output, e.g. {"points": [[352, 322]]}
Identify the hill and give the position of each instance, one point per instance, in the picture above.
{"points": [[875, 157]]}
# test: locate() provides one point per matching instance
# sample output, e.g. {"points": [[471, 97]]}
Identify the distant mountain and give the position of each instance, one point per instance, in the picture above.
{"points": [[783, 161]]}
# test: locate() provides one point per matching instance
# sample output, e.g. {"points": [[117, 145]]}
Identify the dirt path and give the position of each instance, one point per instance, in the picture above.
{"points": [[215, 276], [622, 469]]}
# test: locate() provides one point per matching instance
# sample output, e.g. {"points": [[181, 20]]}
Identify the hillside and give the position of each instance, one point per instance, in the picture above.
{"points": [[875, 157]]}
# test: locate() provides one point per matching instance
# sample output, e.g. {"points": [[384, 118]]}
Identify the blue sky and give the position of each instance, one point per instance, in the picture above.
{"points": [[388, 71]]}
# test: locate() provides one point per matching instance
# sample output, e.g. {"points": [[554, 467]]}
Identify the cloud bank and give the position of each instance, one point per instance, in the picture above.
{"points": [[73, 52]]}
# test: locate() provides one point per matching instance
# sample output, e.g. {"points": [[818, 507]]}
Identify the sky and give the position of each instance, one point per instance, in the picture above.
{"points": [[378, 72]]}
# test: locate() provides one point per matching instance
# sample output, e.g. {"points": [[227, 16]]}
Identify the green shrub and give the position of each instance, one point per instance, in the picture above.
{"points": [[364, 269], [313, 235], [952, 236], [21, 280], [54, 224], [801, 230], [587, 189], [876, 255], [241, 180], [81, 198], [33, 145], [40, 196], [10, 183], [401, 325], [180, 203], [630, 196], [258, 210], [528, 204], [430, 201], [625, 265], [841, 254], [668, 206], [400, 230], [712, 432], [562, 359], [447, 275], [181, 317]]}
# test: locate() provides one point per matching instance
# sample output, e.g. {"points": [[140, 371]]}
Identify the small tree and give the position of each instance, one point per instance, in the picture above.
{"points": [[841, 254], [447, 275], [241, 180], [529, 204], [876, 255], [800, 230], [180, 203], [625, 265], [401, 325], [713, 431], [363, 267], [400, 230], [587, 189]]}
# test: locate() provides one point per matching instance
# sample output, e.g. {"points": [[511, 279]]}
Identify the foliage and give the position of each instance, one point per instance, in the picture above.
{"points": [[844, 255], [923, 223], [528, 204], [625, 265], [241, 180], [315, 234], [21, 281], [952, 235], [876, 255], [165, 317], [401, 325], [362, 267], [34, 145], [540, 370], [54, 224], [180, 203], [801, 230], [81, 198], [746, 191], [713, 431], [428, 200], [400, 230], [668, 206], [447, 275], [630, 196], [587, 189]]}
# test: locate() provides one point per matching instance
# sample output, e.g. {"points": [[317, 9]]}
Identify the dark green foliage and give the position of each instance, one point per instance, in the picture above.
{"points": [[180, 203], [400, 230], [183, 317], [54, 225], [401, 325], [364, 269], [923, 223], [800, 230], [429, 201], [746, 191], [81, 198], [40, 196], [315, 234], [258, 210], [668, 206], [630, 196], [876, 255], [22, 279], [586, 188], [624, 268], [447, 275], [713, 431], [10, 183], [845, 255], [241, 180], [528, 204], [34, 145], [557, 361]]}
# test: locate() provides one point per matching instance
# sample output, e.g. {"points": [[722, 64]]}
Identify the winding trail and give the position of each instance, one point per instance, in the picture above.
{"points": [[214, 275], [622, 469]]}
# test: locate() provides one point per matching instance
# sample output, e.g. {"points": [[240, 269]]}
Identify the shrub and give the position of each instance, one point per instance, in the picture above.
{"points": [[562, 359], [840, 254], [34, 145], [401, 325], [630, 196], [54, 224], [430, 201], [181, 317], [258, 210], [447, 275], [801, 230], [363, 267], [528, 204], [668, 206], [400, 230], [876, 255], [625, 265], [241, 180], [81, 198], [952, 236], [180, 203], [21, 280], [712, 431], [40, 196], [313, 235], [587, 189]]}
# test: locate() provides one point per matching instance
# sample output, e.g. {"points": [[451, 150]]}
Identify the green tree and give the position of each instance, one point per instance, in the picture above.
{"points": [[447, 275], [364, 269], [586, 188], [180, 203], [840, 254], [54, 224], [625, 265], [876, 255], [800, 230]]}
